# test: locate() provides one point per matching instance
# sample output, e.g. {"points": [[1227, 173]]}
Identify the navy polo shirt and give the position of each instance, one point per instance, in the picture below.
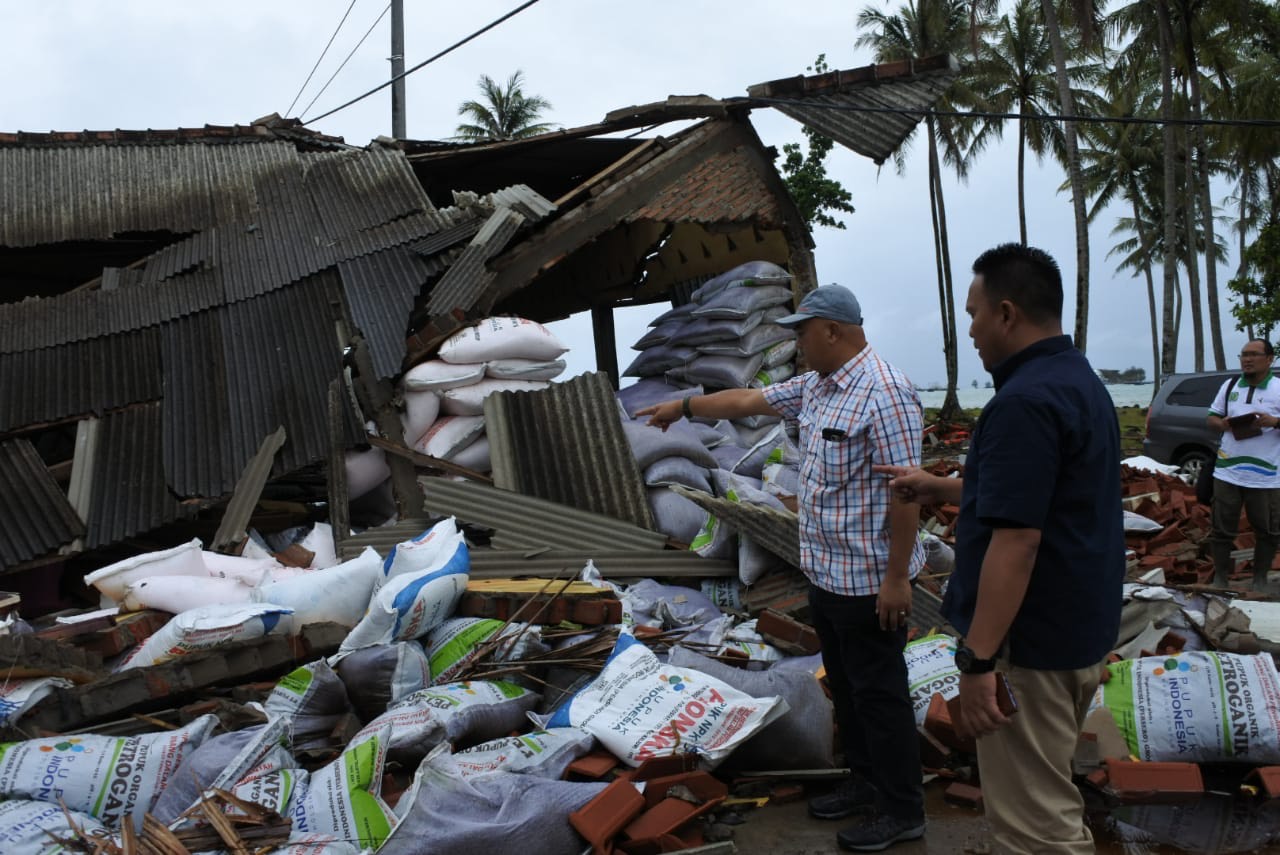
{"points": [[1046, 455]]}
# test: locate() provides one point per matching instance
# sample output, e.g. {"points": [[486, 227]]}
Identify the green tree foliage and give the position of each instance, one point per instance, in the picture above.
{"points": [[1259, 289], [805, 174], [504, 112]]}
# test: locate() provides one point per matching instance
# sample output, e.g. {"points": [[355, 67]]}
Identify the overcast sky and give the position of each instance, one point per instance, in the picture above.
{"points": [[131, 64]]}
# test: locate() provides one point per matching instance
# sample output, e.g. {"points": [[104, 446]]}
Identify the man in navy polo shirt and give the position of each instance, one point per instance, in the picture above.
{"points": [[1036, 590]]}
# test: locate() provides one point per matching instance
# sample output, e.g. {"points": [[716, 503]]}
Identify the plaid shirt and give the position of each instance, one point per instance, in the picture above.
{"points": [[869, 413]]}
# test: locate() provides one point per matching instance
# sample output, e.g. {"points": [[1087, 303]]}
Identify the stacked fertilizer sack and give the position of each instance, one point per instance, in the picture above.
{"points": [[444, 397], [724, 338]]}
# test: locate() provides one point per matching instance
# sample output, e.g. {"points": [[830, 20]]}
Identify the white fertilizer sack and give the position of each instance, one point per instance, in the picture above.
{"points": [[1197, 707], [525, 369], [32, 828], [545, 753], [931, 669], [184, 560], [106, 777], [426, 551], [470, 710], [248, 571], [502, 338], [338, 594], [421, 409], [469, 400], [411, 604], [640, 708], [205, 628], [450, 435], [18, 696], [344, 798], [437, 375], [177, 594]]}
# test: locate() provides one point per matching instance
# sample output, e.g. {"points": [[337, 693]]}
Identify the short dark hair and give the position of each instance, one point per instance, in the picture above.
{"points": [[1025, 276], [1266, 345]]}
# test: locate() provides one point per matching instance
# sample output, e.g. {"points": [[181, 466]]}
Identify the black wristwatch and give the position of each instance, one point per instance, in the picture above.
{"points": [[967, 661]]}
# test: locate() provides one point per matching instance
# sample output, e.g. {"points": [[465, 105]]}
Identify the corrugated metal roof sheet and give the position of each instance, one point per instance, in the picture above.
{"points": [[534, 520], [127, 487], [464, 284], [382, 537], [856, 107], [235, 519], [565, 444], [726, 187], [380, 291], [35, 516], [777, 531], [78, 379], [94, 192], [235, 374], [354, 191]]}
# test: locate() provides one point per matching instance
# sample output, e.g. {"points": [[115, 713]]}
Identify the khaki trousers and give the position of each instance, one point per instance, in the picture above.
{"points": [[1032, 806]]}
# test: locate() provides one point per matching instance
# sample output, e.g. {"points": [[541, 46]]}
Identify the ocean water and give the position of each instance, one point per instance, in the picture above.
{"points": [[1124, 394]]}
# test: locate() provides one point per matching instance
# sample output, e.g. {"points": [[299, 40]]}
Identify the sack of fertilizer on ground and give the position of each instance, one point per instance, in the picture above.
{"points": [[317, 844], [184, 560], [460, 713], [423, 581], [337, 594], [502, 338], [106, 777], [221, 762], [34, 828], [344, 798], [545, 753], [18, 696], [456, 643], [640, 708], [1197, 707], [931, 669], [208, 627], [311, 698], [377, 677]]}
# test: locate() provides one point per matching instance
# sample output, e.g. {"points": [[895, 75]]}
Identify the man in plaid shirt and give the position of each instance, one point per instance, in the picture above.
{"points": [[858, 548]]}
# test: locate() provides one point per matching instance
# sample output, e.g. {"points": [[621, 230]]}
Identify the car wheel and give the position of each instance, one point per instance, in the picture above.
{"points": [[1192, 461]]}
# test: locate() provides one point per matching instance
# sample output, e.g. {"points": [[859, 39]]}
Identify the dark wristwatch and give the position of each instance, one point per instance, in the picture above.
{"points": [[685, 407], [967, 661]]}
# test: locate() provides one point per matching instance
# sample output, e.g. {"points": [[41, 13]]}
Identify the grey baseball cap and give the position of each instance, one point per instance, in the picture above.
{"points": [[833, 302]]}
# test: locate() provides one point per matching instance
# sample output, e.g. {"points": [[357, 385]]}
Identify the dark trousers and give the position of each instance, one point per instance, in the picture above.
{"points": [[1262, 508], [868, 678]]}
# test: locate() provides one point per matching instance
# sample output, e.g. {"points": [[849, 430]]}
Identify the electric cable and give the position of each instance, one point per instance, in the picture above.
{"points": [[348, 59], [425, 62], [321, 58]]}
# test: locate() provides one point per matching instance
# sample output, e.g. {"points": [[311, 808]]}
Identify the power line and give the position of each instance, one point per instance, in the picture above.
{"points": [[978, 114], [426, 62], [321, 59], [348, 59]]}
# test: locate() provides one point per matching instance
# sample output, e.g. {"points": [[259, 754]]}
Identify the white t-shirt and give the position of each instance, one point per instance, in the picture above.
{"points": [[1253, 462]]}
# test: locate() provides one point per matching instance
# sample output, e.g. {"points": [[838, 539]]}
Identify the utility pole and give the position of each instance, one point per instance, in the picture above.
{"points": [[397, 69]]}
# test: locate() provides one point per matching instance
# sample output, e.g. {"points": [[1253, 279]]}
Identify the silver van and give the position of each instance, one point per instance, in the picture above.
{"points": [[1177, 432]]}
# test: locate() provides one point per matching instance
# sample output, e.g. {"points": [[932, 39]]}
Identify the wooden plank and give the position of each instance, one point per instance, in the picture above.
{"points": [[339, 512]]}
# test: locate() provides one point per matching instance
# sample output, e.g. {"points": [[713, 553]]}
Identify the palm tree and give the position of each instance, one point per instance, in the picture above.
{"points": [[923, 28], [1085, 13], [1014, 73], [504, 113], [1118, 161]]}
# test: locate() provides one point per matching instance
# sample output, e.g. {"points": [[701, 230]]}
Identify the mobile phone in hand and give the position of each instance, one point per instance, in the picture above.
{"points": [[1005, 701]]}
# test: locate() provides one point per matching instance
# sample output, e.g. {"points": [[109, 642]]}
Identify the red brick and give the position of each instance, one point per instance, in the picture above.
{"points": [[1268, 778], [1143, 781], [964, 795], [788, 634]]}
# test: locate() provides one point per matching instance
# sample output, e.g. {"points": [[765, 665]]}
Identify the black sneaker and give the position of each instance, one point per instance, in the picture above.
{"points": [[849, 797], [880, 833]]}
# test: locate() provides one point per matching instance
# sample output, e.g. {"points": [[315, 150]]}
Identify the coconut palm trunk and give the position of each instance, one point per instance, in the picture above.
{"points": [[1168, 362], [1054, 31], [946, 294]]}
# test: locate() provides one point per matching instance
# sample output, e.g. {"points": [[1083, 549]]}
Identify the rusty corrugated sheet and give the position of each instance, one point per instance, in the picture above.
{"points": [[534, 520], [127, 491], [234, 374], [856, 107], [725, 188], [380, 291], [77, 379], [565, 444], [777, 531], [35, 516]]}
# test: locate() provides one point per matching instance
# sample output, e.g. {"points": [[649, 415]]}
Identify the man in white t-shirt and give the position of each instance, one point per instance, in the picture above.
{"points": [[1247, 472]]}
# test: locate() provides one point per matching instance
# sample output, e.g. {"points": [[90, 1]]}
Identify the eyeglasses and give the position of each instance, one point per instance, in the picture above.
{"points": [[1249, 354]]}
